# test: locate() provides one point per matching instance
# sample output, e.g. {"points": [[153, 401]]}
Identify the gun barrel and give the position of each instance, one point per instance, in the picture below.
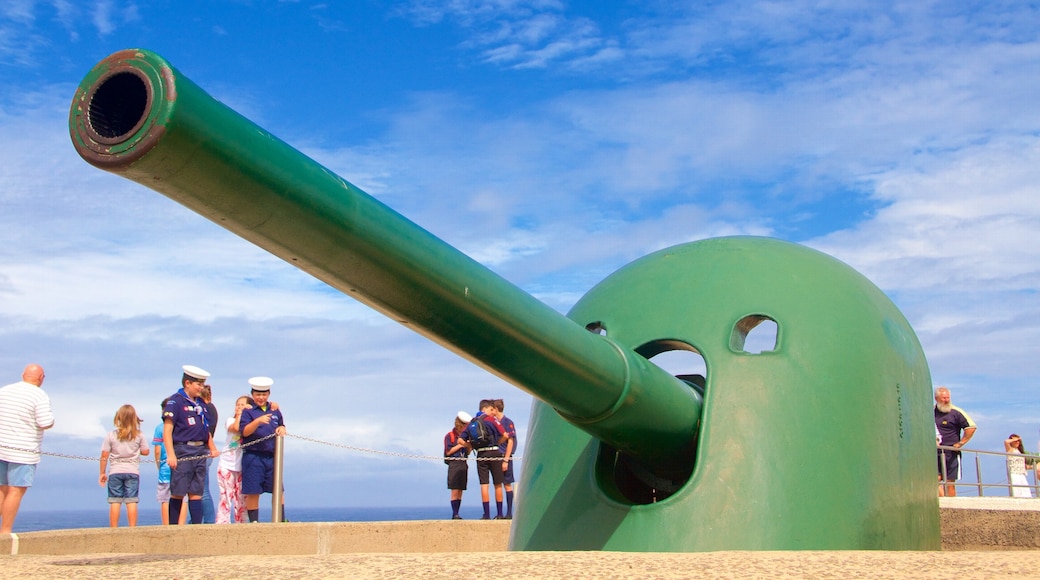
{"points": [[137, 116]]}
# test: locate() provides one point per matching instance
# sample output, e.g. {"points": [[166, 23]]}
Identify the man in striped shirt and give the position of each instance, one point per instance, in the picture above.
{"points": [[25, 412]]}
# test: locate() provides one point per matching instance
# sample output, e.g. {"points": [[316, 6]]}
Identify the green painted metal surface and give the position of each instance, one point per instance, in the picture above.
{"points": [[137, 116], [817, 445], [825, 442]]}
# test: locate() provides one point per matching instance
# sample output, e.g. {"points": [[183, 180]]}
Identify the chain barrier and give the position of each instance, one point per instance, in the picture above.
{"points": [[262, 439], [395, 453]]}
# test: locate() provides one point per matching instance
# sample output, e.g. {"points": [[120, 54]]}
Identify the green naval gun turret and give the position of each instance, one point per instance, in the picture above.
{"points": [[821, 442]]}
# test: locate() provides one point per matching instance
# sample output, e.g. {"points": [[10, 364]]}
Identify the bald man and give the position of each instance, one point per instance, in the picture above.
{"points": [[25, 413]]}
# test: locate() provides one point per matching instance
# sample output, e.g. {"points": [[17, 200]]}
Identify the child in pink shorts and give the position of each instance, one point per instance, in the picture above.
{"points": [[229, 470]]}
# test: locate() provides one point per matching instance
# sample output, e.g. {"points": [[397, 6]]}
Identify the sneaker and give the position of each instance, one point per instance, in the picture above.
{"points": [[456, 517], [507, 517], [499, 518], [485, 518]]}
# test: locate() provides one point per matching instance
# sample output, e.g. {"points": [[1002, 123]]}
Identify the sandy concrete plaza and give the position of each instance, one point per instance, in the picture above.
{"points": [[528, 565], [982, 538]]}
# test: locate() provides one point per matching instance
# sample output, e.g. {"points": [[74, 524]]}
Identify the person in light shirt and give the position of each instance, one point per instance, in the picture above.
{"points": [[25, 413]]}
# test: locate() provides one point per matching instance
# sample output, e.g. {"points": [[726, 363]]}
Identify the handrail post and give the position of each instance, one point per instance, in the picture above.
{"points": [[978, 473], [942, 468], [1033, 474], [276, 491], [1011, 484]]}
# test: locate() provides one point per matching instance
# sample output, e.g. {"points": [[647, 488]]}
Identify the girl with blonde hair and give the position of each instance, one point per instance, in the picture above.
{"points": [[120, 454]]}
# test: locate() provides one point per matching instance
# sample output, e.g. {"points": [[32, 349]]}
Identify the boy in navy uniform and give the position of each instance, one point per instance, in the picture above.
{"points": [[489, 469], [456, 449], [508, 449], [256, 423], [188, 442]]}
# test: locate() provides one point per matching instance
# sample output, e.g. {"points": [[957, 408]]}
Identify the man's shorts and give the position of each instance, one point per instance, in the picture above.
{"points": [[492, 467], [190, 476], [458, 474], [17, 474], [162, 493], [123, 487], [953, 464], [257, 473], [507, 473]]}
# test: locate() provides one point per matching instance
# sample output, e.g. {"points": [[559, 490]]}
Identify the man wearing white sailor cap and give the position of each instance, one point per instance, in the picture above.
{"points": [[188, 443], [258, 424]]}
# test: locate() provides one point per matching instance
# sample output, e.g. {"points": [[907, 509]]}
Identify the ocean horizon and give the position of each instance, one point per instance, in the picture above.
{"points": [[42, 520]]}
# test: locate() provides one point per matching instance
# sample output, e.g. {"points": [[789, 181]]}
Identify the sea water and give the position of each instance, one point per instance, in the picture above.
{"points": [[148, 515]]}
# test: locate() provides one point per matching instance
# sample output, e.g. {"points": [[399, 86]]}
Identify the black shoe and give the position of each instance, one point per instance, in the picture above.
{"points": [[456, 517], [506, 517], [485, 518]]}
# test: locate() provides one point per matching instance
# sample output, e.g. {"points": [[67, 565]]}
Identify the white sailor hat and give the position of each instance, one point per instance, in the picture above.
{"points": [[261, 383], [464, 417], [195, 372]]}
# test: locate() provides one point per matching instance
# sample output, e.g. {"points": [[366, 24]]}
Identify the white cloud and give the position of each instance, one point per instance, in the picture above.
{"points": [[102, 17], [965, 220], [20, 11]]}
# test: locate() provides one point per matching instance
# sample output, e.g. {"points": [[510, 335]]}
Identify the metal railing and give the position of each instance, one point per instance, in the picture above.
{"points": [[995, 463]]}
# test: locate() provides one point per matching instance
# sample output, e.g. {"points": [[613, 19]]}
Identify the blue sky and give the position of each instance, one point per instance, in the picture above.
{"points": [[554, 142]]}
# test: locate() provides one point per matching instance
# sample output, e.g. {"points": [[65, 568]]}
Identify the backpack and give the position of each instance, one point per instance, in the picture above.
{"points": [[482, 434]]}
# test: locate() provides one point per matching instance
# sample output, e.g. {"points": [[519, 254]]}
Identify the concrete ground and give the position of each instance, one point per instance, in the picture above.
{"points": [[982, 537], [530, 565]]}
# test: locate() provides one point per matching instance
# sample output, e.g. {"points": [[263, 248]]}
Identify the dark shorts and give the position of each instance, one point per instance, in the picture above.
{"points": [[507, 474], [257, 473], [494, 468], [458, 474], [953, 464], [190, 476], [123, 487]]}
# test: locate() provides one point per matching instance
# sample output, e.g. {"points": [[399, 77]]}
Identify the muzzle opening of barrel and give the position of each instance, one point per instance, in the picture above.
{"points": [[118, 106]]}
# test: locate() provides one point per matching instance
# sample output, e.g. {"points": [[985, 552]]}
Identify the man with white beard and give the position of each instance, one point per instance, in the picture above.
{"points": [[950, 421]]}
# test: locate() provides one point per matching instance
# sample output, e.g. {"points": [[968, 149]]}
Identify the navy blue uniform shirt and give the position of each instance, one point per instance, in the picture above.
{"points": [[262, 430], [188, 417]]}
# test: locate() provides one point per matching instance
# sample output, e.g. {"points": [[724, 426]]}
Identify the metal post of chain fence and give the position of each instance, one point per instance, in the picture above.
{"points": [[276, 491]]}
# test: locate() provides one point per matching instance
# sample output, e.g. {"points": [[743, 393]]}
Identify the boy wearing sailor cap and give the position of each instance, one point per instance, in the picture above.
{"points": [[257, 424], [188, 443], [456, 449]]}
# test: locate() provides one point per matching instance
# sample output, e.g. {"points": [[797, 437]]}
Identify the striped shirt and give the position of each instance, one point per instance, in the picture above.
{"points": [[25, 411]]}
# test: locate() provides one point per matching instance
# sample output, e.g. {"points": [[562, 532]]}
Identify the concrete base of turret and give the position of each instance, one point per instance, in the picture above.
{"points": [[967, 524]]}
